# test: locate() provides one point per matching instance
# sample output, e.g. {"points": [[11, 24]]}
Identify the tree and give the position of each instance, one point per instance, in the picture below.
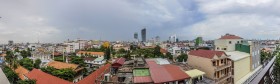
{"points": [[48, 69], [16, 50], [37, 63], [276, 69], [127, 56], [27, 82], [169, 56], [108, 54], [157, 52], [11, 75], [67, 74], [182, 58], [26, 63], [263, 56], [77, 60], [24, 54]]}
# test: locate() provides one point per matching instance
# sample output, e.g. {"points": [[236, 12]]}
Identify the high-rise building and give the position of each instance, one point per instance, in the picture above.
{"points": [[143, 34], [198, 41], [135, 35], [10, 42], [173, 38], [157, 39]]}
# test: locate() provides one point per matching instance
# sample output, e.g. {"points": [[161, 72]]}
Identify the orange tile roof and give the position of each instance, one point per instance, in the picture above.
{"points": [[93, 76], [21, 71], [44, 78], [62, 65], [91, 53], [163, 50], [3, 55]]}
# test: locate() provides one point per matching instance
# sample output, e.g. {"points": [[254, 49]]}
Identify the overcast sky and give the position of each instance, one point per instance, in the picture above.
{"points": [[59, 20]]}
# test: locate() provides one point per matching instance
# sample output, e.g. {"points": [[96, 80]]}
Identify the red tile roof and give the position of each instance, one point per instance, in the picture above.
{"points": [[165, 73], [21, 71], [93, 76], [163, 50], [230, 36], [44, 78], [206, 53], [118, 62], [142, 79]]}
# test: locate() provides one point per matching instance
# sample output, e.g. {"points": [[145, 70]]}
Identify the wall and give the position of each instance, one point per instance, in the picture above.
{"points": [[241, 68], [224, 43], [203, 64]]}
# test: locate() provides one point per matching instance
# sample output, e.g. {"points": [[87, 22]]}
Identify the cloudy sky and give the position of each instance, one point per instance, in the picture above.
{"points": [[59, 20]]}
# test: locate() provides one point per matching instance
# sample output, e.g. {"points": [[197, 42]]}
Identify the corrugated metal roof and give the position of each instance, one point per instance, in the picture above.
{"points": [[165, 73], [142, 79]]}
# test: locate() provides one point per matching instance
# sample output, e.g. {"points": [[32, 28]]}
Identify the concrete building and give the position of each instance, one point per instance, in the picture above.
{"points": [[240, 64], [245, 55], [216, 65], [143, 34], [173, 38], [227, 42], [253, 48]]}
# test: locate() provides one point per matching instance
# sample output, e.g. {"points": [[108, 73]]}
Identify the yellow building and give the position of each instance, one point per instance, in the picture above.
{"points": [[215, 64], [240, 64]]}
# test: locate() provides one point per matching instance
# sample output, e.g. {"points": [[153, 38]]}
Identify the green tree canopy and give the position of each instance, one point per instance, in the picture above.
{"points": [[27, 63], [182, 58], [37, 63], [169, 56], [27, 82], [77, 60], [11, 75], [67, 74]]}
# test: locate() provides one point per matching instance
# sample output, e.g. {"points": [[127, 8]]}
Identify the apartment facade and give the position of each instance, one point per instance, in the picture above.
{"points": [[215, 64]]}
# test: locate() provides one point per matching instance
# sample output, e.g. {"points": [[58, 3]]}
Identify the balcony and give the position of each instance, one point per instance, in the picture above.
{"points": [[221, 67], [217, 80]]}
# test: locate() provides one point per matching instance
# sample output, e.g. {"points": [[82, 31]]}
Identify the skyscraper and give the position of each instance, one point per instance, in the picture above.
{"points": [[135, 35], [143, 34]]}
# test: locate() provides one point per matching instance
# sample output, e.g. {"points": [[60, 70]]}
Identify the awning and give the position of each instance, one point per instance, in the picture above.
{"points": [[194, 73]]}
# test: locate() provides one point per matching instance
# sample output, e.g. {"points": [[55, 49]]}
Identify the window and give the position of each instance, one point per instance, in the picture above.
{"points": [[229, 42], [218, 48], [237, 41], [222, 61], [214, 63], [224, 48]]}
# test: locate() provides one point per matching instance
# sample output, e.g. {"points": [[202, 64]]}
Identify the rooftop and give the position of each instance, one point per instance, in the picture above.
{"points": [[90, 79], [92, 53], [89, 58], [195, 73], [206, 53], [62, 65], [165, 73], [21, 71], [142, 79], [230, 36], [44, 78], [141, 72], [237, 55]]}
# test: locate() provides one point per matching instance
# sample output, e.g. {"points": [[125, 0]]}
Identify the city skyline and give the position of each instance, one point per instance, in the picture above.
{"points": [[57, 21]]}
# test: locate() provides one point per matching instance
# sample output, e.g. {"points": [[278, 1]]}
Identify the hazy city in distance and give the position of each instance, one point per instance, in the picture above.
{"points": [[139, 42]]}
